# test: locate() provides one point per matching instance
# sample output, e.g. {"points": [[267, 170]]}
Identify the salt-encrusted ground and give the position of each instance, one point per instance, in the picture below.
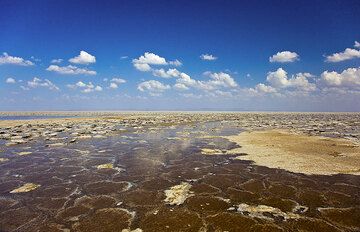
{"points": [[179, 172]]}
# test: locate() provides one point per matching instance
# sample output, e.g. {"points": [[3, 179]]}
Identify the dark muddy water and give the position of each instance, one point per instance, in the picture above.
{"points": [[74, 195]]}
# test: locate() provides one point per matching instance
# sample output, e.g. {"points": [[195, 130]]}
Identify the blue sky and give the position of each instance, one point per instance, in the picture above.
{"points": [[180, 55]]}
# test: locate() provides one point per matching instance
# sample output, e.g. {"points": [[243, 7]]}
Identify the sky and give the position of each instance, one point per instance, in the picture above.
{"points": [[180, 55]]}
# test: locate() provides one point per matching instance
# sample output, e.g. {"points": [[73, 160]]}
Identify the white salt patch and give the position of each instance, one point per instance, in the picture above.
{"points": [[177, 194], [128, 230], [261, 211]]}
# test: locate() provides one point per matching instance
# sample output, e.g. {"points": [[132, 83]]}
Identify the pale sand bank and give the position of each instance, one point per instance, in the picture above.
{"points": [[298, 152]]}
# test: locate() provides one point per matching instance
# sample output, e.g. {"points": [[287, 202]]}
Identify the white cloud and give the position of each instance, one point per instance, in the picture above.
{"points": [[24, 88], [279, 79], [223, 93], [142, 67], [7, 59], [154, 87], [357, 44], [70, 69], [284, 57], [98, 88], [349, 78], [221, 79], [118, 80], [10, 80], [208, 57], [37, 82], [83, 58], [35, 59], [187, 81], [56, 61], [180, 86], [143, 62], [82, 84], [261, 89], [124, 57], [217, 80], [166, 74], [113, 85], [348, 54], [85, 88], [175, 63], [115, 82], [150, 58]]}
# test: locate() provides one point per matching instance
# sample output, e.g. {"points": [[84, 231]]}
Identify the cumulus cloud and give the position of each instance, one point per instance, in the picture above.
{"points": [[175, 63], [115, 82], [349, 78], [83, 58], [221, 93], [113, 85], [70, 69], [217, 81], [37, 82], [279, 79], [143, 62], [284, 57], [180, 86], [142, 67], [56, 61], [348, 54], [357, 44], [261, 89], [85, 88], [221, 79], [10, 80], [166, 74], [118, 80], [154, 87], [24, 88], [7, 59], [208, 57]]}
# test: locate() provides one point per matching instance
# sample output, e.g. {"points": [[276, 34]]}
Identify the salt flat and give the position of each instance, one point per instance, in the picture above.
{"points": [[180, 171]]}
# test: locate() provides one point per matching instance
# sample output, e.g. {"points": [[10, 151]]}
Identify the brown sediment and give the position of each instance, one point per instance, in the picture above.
{"points": [[105, 220], [298, 152], [230, 222], [106, 187], [349, 217], [22, 215], [311, 224], [176, 219]]}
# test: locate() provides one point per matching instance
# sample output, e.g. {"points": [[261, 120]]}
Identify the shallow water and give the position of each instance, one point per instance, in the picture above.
{"points": [[76, 195]]}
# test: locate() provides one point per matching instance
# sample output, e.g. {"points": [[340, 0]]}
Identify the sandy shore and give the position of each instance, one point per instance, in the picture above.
{"points": [[298, 152]]}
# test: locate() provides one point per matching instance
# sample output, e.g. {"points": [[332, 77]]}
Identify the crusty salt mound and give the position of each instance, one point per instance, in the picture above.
{"points": [[208, 151], [265, 212], [105, 166], [26, 188], [177, 194], [128, 230]]}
